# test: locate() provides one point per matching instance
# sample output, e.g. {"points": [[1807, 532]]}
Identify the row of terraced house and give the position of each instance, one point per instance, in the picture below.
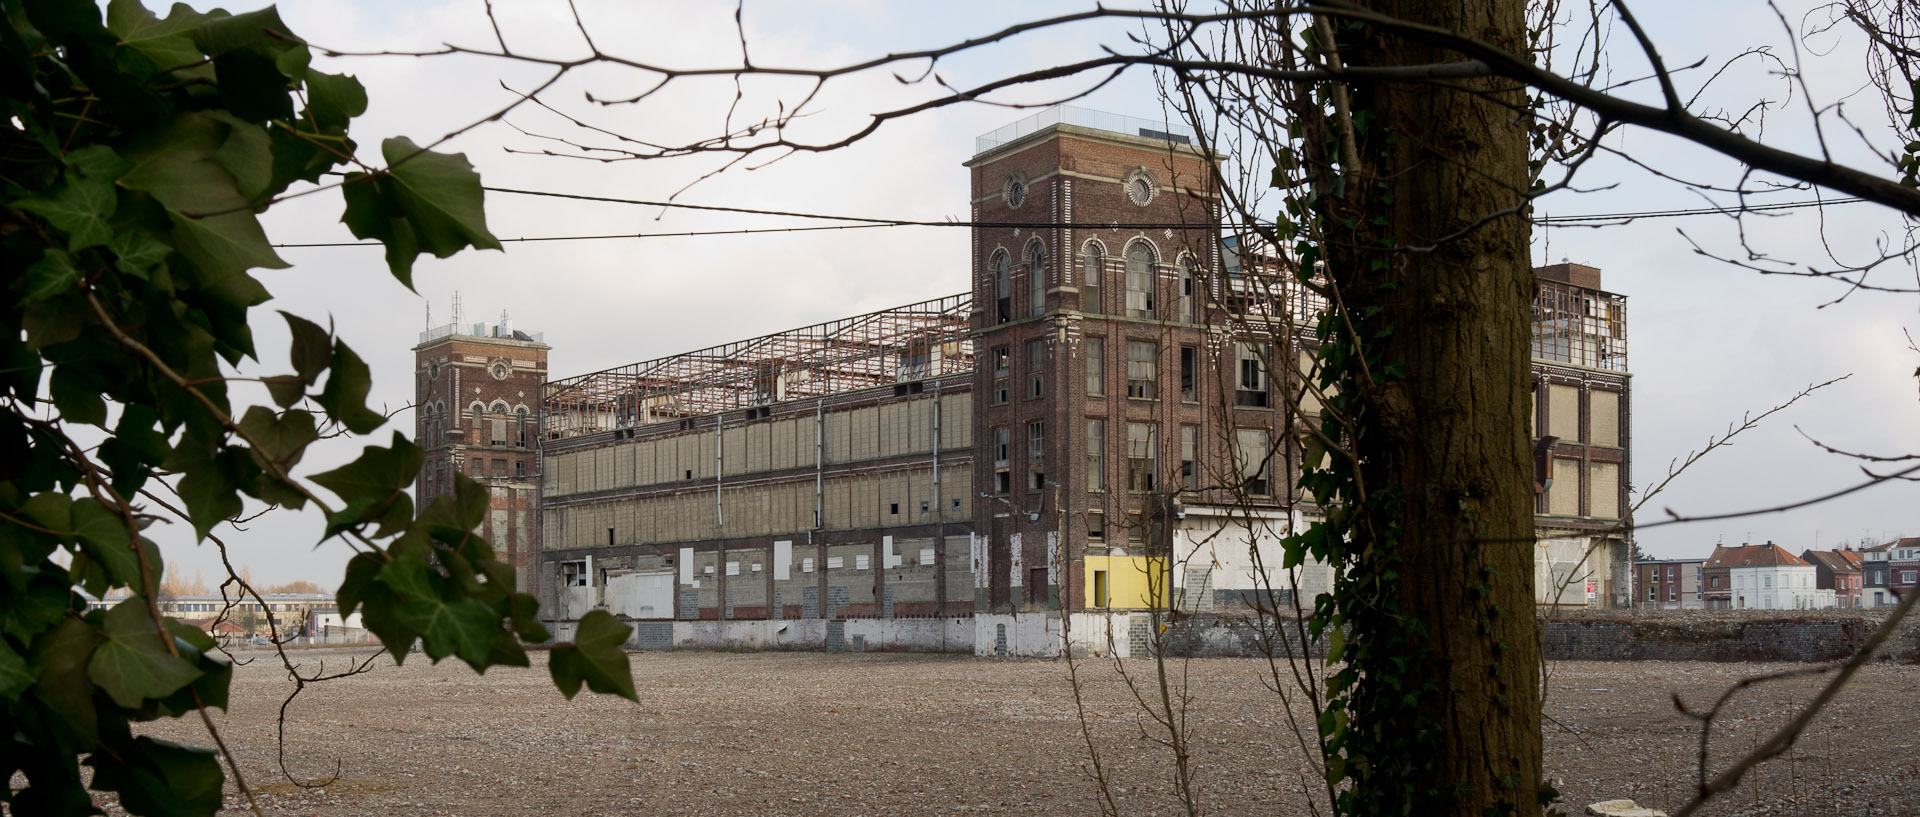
{"points": [[1770, 577]]}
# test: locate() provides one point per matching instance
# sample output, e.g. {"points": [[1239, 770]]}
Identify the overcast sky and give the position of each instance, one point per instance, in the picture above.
{"points": [[1708, 341]]}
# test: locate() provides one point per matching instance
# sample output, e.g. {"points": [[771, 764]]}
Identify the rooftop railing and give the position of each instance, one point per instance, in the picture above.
{"points": [[1086, 118]]}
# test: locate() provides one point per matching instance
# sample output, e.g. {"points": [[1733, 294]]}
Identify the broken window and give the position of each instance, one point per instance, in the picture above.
{"points": [[1251, 388], [1189, 448], [1001, 372], [573, 574], [1036, 443], [1184, 306], [1139, 280], [1142, 447], [1002, 440], [1189, 366], [1143, 369], [1036, 279], [1002, 288], [1096, 259]]}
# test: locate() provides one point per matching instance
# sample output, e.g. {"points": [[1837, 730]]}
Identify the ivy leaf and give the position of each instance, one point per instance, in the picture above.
{"points": [[345, 396], [134, 663], [286, 389], [596, 657], [461, 627], [456, 513], [80, 208], [247, 51], [159, 778], [378, 473], [279, 439], [426, 202], [103, 536], [332, 99], [51, 275], [187, 167], [310, 347], [168, 42], [15, 675], [76, 396], [28, 612], [209, 488], [361, 570], [62, 654], [526, 619], [136, 253]]}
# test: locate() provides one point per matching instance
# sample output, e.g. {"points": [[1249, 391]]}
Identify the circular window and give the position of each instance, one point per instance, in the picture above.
{"points": [[500, 370], [1140, 188], [433, 370], [1016, 191]]}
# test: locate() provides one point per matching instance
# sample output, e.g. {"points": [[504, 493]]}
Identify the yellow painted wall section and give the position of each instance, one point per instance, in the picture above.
{"points": [[1130, 585]]}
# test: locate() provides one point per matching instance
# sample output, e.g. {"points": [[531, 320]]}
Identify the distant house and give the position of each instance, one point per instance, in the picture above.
{"points": [[1669, 584], [1767, 577], [1716, 585], [1876, 569], [1903, 567], [1839, 571]]}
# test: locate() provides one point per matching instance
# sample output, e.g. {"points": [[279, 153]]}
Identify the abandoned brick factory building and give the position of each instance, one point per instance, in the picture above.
{"points": [[1097, 427]]}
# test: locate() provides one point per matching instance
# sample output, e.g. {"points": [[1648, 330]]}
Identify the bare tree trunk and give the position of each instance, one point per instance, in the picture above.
{"points": [[1441, 250]]}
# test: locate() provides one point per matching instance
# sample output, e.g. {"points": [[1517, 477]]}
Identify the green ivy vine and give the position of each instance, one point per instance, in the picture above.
{"points": [[136, 154], [1377, 738]]}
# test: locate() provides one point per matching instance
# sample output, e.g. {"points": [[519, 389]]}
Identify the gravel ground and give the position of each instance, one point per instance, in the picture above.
{"points": [[888, 734]]}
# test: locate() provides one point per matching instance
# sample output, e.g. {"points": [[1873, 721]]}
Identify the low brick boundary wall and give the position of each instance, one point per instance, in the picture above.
{"points": [[1648, 639]]}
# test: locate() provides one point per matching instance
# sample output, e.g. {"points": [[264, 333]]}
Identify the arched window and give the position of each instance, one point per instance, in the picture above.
{"points": [[1036, 278], [520, 426], [1002, 287], [1090, 279], [1140, 280]]}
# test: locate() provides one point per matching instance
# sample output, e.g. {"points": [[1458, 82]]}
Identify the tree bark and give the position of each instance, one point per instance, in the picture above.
{"points": [[1450, 437]]}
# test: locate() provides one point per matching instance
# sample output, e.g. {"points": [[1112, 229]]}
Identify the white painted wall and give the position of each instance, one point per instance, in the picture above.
{"points": [[1777, 587], [641, 595]]}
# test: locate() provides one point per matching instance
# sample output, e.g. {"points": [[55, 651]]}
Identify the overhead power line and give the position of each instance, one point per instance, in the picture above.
{"points": [[864, 222]]}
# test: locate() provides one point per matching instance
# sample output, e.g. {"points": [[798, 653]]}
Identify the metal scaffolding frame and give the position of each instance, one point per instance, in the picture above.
{"points": [[906, 343]]}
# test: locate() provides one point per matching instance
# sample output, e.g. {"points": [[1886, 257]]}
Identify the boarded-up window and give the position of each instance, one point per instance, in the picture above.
{"points": [[1563, 499], [1604, 409], [1563, 412], [1604, 499]]}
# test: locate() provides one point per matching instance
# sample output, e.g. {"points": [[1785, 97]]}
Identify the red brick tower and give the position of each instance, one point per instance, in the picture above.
{"points": [[477, 411], [1093, 346]]}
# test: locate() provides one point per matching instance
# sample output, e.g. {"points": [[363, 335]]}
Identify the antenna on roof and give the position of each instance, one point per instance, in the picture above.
{"points": [[459, 315], [429, 316]]}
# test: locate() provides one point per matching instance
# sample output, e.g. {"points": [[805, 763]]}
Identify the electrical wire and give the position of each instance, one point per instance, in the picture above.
{"points": [[863, 222]]}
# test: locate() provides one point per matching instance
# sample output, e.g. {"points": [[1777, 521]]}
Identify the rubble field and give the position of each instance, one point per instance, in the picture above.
{"points": [[889, 733]]}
